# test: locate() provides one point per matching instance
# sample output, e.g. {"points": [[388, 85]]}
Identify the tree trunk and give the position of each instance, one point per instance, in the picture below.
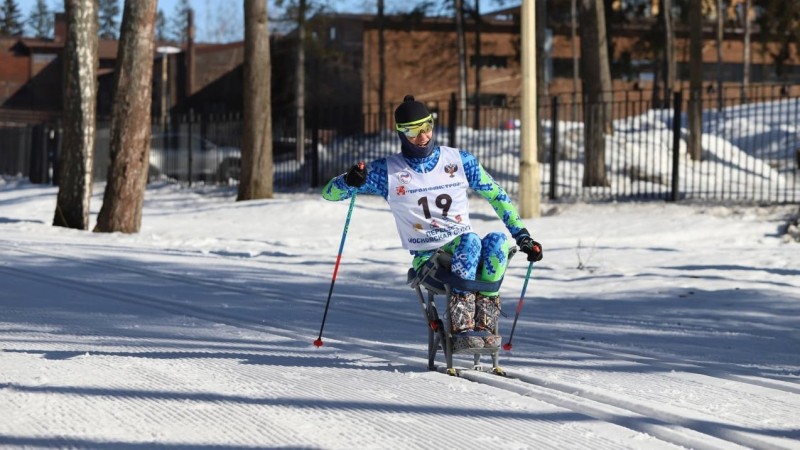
{"points": [[695, 106], [130, 121], [301, 81], [669, 51], [256, 178], [478, 63], [381, 67], [462, 63], [746, 56], [80, 93], [720, 38], [541, 79], [596, 76], [575, 58]]}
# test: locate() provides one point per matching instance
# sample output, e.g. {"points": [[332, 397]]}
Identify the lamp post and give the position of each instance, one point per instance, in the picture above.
{"points": [[165, 51]]}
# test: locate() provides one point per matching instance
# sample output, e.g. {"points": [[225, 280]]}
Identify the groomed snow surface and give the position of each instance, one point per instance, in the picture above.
{"points": [[646, 325]]}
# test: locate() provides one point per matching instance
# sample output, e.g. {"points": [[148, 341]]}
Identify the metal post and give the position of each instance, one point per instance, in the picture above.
{"points": [[554, 148], [315, 172], [452, 121], [191, 119], [676, 144], [164, 62]]}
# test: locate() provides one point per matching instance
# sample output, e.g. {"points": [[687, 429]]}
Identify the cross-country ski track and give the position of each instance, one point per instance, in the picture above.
{"points": [[197, 331], [203, 350]]}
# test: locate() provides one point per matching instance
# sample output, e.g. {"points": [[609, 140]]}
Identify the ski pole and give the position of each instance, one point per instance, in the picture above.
{"points": [[507, 345], [318, 342]]}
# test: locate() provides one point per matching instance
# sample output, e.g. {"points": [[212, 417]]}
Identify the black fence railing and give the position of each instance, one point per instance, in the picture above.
{"points": [[750, 146]]}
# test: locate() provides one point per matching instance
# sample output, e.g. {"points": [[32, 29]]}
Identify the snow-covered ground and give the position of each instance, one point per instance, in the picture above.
{"points": [[645, 326]]}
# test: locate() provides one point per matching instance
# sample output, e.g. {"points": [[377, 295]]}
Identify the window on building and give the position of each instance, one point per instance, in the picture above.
{"points": [[489, 61], [43, 58], [489, 99]]}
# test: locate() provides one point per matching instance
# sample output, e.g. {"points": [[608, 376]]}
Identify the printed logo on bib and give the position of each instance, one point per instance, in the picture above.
{"points": [[451, 170], [438, 233], [401, 190], [404, 177]]}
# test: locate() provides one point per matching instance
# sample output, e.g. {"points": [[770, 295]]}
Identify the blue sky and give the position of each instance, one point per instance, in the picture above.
{"points": [[221, 20]]}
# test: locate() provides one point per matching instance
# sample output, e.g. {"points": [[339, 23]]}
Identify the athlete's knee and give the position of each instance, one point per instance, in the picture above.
{"points": [[495, 240], [470, 238]]}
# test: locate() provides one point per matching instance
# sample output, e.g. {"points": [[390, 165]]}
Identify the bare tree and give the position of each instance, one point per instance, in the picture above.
{"points": [[720, 38], [130, 121], [746, 53], [476, 15], [109, 10], [779, 31], [40, 20], [381, 66], [461, 43], [669, 48], [179, 22], [80, 92], [541, 79], [223, 22], [596, 76], [574, 41], [256, 178], [695, 105], [300, 84]]}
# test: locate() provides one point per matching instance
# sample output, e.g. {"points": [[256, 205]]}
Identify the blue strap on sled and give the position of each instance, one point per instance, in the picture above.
{"points": [[441, 277], [437, 279]]}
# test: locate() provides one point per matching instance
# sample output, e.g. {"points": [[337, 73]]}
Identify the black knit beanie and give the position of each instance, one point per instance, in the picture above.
{"points": [[410, 111]]}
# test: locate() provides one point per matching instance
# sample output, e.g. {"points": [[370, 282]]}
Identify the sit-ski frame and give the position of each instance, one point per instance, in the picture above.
{"points": [[436, 278]]}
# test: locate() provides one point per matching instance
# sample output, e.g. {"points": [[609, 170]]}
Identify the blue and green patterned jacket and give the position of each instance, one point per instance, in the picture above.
{"points": [[480, 181]]}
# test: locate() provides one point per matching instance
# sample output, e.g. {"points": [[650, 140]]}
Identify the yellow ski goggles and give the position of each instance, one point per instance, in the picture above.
{"points": [[413, 129]]}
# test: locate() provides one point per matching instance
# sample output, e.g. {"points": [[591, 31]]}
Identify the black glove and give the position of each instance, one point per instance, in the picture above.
{"points": [[356, 176], [528, 246]]}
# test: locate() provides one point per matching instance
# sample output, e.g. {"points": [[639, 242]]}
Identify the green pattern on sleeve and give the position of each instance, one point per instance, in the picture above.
{"points": [[500, 201], [337, 189]]}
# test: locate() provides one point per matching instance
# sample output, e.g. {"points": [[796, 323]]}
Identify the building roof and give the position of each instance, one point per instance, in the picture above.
{"points": [[106, 49]]}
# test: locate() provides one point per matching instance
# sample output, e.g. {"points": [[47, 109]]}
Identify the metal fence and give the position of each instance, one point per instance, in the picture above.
{"points": [[750, 146]]}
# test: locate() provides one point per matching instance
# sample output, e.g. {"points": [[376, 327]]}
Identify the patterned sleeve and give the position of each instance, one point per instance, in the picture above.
{"points": [[484, 185], [376, 184]]}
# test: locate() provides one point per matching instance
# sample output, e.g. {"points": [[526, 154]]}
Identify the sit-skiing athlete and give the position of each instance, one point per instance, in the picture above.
{"points": [[426, 188]]}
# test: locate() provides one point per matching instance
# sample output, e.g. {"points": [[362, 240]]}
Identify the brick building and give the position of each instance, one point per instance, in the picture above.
{"points": [[205, 77], [343, 64]]}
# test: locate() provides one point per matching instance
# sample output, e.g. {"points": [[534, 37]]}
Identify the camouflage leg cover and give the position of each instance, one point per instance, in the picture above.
{"points": [[461, 311], [487, 311]]}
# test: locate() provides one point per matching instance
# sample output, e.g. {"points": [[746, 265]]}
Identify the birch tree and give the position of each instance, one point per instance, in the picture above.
{"points": [[76, 159]]}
